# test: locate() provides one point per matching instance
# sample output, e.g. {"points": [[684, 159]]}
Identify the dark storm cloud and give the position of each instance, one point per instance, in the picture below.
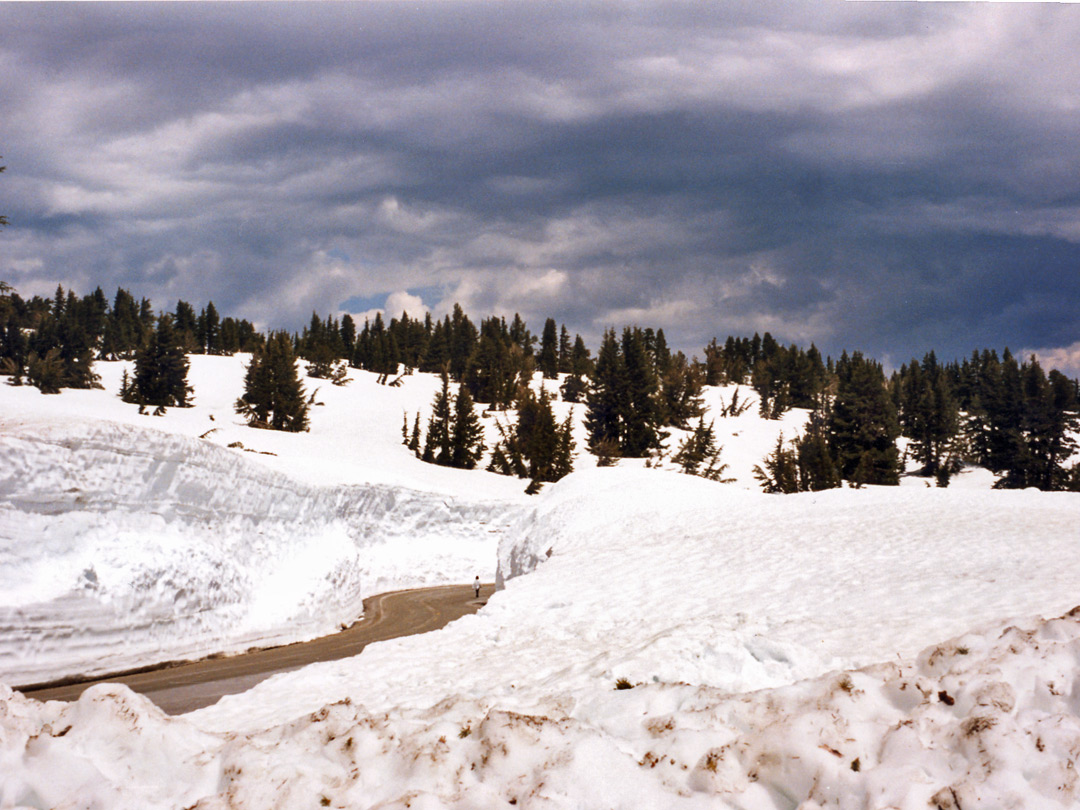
{"points": [[890, 177]]}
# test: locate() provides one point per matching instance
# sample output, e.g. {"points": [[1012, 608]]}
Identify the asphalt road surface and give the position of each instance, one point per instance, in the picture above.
{"points": [[181, 688]]}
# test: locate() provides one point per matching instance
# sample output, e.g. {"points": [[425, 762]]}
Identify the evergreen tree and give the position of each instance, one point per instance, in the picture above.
{"points": [[606, 399], [146, 319], [414, 437], [63, 329], [641, 414], [208, 330], [462, 340], [161, 368], [45, 372], [699, 454], [273, 394], [929, 412], [324, 365], [493, 369], [1043, 440], [536, 447], [239, 336], [14, 348], [863, 427], [93, 310], [1063, 425], [437, 354], [816, 468], [123, 329], [348, 335], [548, 362], [1007, 450], [520, 334], [661, 354], [574, 386], [438, 446], [681, 387], [781, 471], [185, 324], [466, 433], [565, 351]]}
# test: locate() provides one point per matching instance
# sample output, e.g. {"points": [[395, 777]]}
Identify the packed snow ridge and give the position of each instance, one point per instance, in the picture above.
{"points": [[771, 651], [125, 547], [127, 540]]}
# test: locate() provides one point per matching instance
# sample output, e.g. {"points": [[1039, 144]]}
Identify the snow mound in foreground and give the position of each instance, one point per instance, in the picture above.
{"points": [[989, 719], [124, 546]]}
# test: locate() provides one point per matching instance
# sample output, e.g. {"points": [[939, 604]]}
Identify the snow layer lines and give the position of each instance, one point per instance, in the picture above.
{"points": [[124, 546]]}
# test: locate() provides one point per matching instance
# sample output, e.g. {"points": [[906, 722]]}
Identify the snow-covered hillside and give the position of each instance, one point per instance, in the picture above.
{"points": [[783, 651]]}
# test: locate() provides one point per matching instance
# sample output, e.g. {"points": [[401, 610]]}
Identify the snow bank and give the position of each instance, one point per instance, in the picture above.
{"points": [[989, 719], [124, 546]]}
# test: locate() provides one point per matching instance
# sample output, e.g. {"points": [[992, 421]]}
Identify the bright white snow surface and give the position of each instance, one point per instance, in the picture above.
{"points": [[127, 540], [740, 620]]}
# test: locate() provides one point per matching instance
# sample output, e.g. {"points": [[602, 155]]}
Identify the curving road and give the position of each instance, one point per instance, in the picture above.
{"points": [[185, 687]]}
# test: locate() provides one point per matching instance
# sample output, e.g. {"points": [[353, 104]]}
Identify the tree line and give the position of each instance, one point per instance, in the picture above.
{"points": [[997, 411]]}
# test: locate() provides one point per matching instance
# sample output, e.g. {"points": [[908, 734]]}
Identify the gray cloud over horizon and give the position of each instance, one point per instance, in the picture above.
{"points": [[888, 177]]}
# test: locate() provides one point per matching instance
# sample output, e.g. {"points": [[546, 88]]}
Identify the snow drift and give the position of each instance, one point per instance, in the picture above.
{"points": [[125, 546], [990, 719]]}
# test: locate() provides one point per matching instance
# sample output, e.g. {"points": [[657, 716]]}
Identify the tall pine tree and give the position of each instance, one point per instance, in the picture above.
{"points": [[607, 396], [548, 362]]}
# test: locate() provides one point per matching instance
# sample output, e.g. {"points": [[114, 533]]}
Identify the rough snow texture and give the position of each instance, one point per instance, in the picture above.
{"points": [[987, 720], [128, 540], [124, 546]]}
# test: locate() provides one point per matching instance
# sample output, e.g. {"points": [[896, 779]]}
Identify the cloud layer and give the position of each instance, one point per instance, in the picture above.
{"points": [[890, 177]]}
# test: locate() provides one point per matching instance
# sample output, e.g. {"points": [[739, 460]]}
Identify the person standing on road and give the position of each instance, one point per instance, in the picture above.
{"points": [[476, 587]]}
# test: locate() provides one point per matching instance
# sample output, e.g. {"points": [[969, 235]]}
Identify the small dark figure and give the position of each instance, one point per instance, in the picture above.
{"points": [[476, 587]]}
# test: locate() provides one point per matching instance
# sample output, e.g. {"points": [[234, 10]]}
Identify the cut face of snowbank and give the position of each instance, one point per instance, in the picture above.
{"points": [[123, 546], [990, 719]]}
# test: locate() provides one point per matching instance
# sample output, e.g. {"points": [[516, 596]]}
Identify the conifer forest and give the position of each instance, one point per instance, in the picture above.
{"points": [[1007, 414]]}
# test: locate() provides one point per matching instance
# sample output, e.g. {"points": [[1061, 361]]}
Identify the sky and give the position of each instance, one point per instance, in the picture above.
{"points": [[887, 177]]}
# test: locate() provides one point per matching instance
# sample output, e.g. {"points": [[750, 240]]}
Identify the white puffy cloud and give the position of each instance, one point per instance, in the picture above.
{"points": [[1065, 359]]}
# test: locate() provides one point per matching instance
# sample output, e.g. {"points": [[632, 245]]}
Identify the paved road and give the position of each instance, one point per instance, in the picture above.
{"points": [[185, 687]]}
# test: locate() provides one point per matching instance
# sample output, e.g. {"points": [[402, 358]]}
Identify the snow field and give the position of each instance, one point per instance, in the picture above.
{"points": [[127, 539], [658, 577], [772, 642], [123, 547]]}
